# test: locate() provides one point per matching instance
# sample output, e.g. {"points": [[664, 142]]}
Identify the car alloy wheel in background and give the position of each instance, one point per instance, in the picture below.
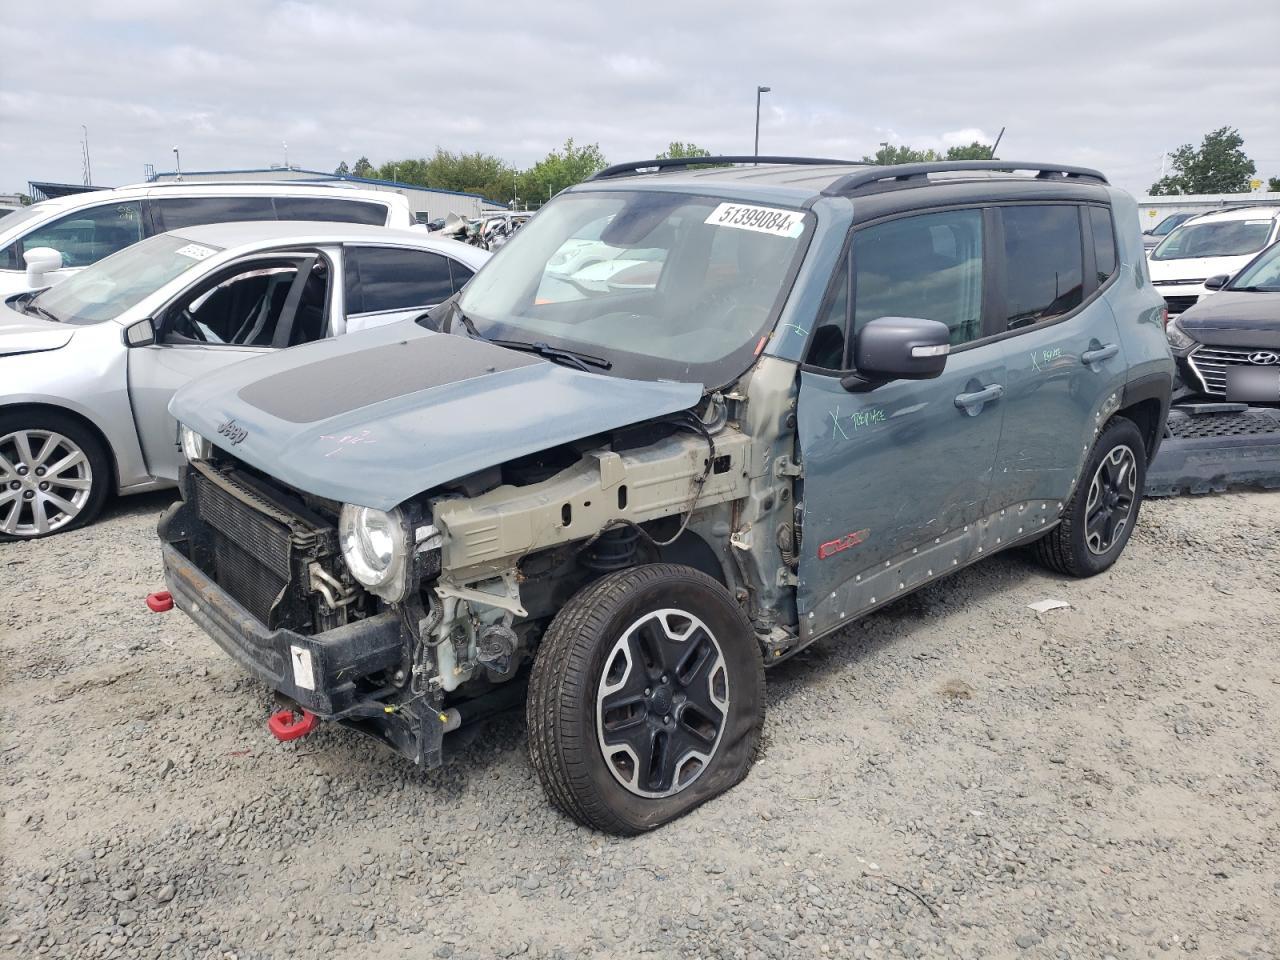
{"points": [[45, 482]]}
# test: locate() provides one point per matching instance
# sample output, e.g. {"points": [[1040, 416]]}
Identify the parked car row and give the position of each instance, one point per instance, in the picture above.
{"points": [[1220, 276], [793, 392]]}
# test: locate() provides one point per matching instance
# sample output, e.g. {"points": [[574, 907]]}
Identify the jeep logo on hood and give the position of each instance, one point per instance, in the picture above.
{"points": [[232, 431]]}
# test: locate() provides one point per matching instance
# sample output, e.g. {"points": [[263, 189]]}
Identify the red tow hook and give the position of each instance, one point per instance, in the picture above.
{"points": [[283, 726], [160, 602]]}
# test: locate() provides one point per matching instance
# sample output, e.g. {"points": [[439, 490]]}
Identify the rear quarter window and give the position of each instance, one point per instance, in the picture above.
{"points": [[1104, 242]]}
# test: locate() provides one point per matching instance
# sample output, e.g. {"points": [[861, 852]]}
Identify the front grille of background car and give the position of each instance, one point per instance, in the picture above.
{"points": [[1178, 304], [1210, 364], [251, 551]]}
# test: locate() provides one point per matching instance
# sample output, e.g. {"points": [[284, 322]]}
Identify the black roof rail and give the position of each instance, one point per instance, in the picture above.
{"points": [[918, 173], [680, 163]]}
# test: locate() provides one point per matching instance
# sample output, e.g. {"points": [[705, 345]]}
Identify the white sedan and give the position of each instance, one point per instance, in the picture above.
{"points": [[87, 367]]}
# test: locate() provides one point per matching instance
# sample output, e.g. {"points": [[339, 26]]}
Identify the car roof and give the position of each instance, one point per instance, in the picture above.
{"points": [[139, 191], [312, 232]]}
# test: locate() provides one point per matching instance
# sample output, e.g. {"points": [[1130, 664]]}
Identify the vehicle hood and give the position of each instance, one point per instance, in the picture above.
{"points": [[20, 333], [374, 418], [1236, 319], [1195, 268]]}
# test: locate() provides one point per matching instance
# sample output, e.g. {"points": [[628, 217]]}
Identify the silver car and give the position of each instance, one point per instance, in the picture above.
{"points": [[87, 367]]}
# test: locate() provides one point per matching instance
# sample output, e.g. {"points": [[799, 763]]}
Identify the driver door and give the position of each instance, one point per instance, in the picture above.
{"points": [[244, 310]]}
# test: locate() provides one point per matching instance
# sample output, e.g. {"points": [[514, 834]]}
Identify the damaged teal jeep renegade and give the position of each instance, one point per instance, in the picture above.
{"points": [[689, 421]]}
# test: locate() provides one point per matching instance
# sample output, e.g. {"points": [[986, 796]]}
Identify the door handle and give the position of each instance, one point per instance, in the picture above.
{"points": [[972, 403], [1091, 358]]}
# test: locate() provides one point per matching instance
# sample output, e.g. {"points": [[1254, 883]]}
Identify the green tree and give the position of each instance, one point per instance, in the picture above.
{"points": [[363, 168], [888, 154], [342, 170], [1273, 184], [679, 151], [477, 172], [1219, 166], [559, 169], [974, 151]]}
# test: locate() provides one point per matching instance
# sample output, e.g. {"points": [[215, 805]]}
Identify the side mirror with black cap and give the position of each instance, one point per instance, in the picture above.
{"points": [[1217, 281], [898, 348]]}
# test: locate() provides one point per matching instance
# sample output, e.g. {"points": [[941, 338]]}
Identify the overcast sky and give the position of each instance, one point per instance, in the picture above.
{"points": [[1109, 84]]}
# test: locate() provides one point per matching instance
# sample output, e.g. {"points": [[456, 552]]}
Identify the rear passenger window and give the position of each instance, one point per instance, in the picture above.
{"points": [[333, 211], [178, 212], [1044, 266], [926, 266], [1104, 242], [387, 278]]}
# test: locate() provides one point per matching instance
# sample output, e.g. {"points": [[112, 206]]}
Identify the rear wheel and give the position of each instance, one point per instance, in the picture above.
{"points": [[54, 475], [1101, 515], [646, 699]]}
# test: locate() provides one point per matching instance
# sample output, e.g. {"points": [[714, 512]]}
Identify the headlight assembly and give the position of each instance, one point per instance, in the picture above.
{"points": [[194, 447], [375, 545], [1177, 337]]}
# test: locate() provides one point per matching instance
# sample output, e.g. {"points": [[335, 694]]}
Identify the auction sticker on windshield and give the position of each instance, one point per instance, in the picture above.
{"points": [[741, 216], [195, 251]]}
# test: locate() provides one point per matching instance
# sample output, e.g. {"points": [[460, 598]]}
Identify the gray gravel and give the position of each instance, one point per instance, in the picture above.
{"points": [[956, 776]]}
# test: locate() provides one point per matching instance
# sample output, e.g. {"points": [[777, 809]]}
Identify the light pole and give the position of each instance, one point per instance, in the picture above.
{"points": [[177, 162], [759, 91], [88, 170]]}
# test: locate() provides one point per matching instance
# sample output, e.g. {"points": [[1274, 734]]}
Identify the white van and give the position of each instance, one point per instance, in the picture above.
{"points": [[47, 241]]}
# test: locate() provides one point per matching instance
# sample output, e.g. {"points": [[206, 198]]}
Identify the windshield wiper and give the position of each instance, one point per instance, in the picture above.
{"points": [[32, 307], [583, 361], [1256, 288]]}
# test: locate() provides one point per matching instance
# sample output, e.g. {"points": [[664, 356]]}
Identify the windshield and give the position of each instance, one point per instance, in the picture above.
{"points": [[113, 285], [1262, 274], [665, 286], [1168, 223], [1230, 238]]}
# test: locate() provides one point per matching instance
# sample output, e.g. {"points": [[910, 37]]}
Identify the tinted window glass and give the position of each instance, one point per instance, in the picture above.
{"points": [[174, 213], [1104, 242], [386, 278], [927, 266], [332, 210], [1044, 270], [86, 236], [460, 274], [826, 348], [9, 259]]}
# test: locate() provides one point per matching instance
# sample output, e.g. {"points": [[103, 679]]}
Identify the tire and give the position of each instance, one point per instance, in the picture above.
{"points": [[622, 667], [69, 494], [1077, 548]]}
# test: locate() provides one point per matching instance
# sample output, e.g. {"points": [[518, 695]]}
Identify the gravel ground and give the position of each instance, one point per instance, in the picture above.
{"points": [[955, 776]]}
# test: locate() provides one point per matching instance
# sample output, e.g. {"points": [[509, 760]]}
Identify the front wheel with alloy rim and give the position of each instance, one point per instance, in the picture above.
{"points": [[54, 475], [646, 699], [1099, 519]]}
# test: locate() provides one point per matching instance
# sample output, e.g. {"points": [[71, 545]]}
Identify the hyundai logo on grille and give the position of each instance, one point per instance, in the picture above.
{"points": [[1264, 358], [232, 431]]}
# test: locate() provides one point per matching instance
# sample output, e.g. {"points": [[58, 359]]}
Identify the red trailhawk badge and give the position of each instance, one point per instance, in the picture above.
{"points": [[832, 547]]}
